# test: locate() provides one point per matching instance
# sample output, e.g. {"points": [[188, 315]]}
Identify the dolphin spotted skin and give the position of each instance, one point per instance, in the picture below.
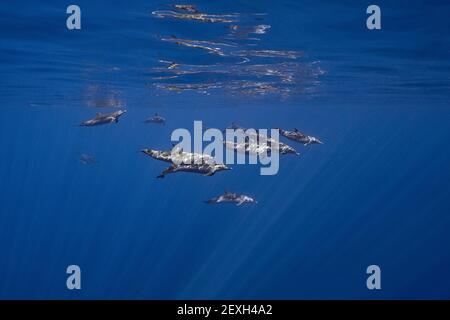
{"points": [[296, 135], [204, 169], [103, 118], [239, 199], [165, 156], [156, 119], [252, 147], [286, 149], [179, 156], [257, 142], [247, 147]]}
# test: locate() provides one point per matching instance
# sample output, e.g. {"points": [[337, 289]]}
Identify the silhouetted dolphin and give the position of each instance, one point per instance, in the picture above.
{"points": [[300, 137], [205, 169], [103, 118], [156, 119], [87, 159], [239, 199]]}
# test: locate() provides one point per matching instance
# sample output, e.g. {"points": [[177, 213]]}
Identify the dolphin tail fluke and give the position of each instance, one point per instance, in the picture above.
{"points": [[160, 176]]}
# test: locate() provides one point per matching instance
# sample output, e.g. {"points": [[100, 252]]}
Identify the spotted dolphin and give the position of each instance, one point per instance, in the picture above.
{"points": [[177, 155], [239, 199], [204, 169], [103, 118], [156, 119], [296, 135]]}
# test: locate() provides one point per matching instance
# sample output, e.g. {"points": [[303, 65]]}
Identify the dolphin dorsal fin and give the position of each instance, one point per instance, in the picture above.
{"points": [[177, 149], [295, 129]]}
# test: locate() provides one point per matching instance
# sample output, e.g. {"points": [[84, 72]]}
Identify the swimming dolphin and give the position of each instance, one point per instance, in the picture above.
{"points": [[87, 159], [260, 144], [103, 118], [285, 149], [239, 199], [300, 137], [247, 147], [204, 169], [156, 119], [165, 156], [177, 155], [262, 139]]}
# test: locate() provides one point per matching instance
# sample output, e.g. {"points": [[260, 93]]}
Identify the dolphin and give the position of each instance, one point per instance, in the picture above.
{"points": [[165, 156], [103, 118], [156, 119], [177, 155], [286, 149], [204, 169], [296, 135], [87, 159], [239, 199], [247, 147], [260, 144], [262, 139]]}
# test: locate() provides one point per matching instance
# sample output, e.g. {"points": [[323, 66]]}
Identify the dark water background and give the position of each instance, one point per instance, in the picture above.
{"points": [[377, 192]]}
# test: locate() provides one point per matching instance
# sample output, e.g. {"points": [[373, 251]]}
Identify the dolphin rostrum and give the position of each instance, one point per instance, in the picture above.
{"points": [[239, 199], [296, 135], [103, 118]]}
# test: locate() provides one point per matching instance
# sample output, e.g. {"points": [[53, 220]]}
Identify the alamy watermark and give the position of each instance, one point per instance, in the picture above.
{"points": [[230, 146]]}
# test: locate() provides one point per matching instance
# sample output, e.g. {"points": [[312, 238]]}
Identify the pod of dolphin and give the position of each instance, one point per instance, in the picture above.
{"points": [[284, 78], [205, 164]]}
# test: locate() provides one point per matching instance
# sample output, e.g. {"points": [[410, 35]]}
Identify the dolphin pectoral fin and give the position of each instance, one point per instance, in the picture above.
{"points": [[116, 120], [239, 203]]}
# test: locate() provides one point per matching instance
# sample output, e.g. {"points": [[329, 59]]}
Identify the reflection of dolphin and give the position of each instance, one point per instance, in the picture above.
{"points": [[156, 119], [300, 137], [205, 169], [239, 199], [103, 118]]}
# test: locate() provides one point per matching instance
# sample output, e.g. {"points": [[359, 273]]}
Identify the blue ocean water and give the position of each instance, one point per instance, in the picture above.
{"points": [[377, 192]]}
